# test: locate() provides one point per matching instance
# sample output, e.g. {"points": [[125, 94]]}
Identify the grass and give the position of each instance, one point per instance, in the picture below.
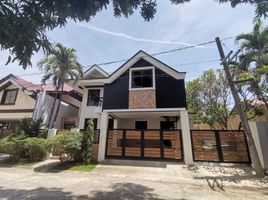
{"points": [[75, 166]]}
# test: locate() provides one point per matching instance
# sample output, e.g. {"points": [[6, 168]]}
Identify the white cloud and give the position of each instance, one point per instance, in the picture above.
{"points": [[138, 39]]}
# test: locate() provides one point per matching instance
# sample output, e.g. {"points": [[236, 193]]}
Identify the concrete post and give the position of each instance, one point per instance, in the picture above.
{"points": [[51, 133], [115, 123], [103, 135], [186, 137]]}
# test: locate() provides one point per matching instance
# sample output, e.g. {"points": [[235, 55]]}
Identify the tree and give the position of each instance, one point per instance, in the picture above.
{"points": [[23, 24], [59, 66], [209, 98], [254, 61]]}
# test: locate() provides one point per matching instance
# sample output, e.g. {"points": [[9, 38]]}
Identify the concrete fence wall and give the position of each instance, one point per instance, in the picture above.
{"points": [[260, 135]]}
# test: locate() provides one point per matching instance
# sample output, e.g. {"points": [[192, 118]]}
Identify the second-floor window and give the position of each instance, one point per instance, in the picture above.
{"points": [[142, 78], [93, 97], [9, 96]]}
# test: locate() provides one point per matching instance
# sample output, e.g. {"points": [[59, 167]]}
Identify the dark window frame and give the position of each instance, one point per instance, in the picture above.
{"points": [[93, 101], [4, 96], [142, 77], [4, 125], [141, 121]]}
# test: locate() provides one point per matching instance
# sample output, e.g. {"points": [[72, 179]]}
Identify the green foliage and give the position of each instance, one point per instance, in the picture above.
{"points": [[253, 64], [87, 142], [37, 148], [14, 147], [34, 18], [69, 143], [29, 128], [59, 66], [33, 149], [208, 97]]}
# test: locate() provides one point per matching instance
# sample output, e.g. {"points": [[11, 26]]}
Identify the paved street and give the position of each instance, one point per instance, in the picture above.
{"points": [[123, 182]]}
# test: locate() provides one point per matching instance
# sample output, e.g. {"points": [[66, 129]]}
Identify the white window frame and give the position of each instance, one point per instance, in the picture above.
{"points": [[140, 69]]}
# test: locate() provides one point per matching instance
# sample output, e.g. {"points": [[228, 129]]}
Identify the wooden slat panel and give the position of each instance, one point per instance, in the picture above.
{"points": [[113, 145], [200, 152], [133, 152], [174, 152], [238, 152], [152, 135], [152, 152]]}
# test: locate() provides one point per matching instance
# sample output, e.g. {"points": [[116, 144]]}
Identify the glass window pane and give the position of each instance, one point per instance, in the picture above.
{"points": [[9, 96], [142, 78], [93, 97]]}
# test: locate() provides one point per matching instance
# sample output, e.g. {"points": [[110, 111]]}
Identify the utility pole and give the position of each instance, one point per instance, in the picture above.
{"points": [[239, 108]]}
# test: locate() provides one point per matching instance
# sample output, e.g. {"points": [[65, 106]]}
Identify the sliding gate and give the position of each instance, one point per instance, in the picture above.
{"points": [[220, 146], [144, 144]]}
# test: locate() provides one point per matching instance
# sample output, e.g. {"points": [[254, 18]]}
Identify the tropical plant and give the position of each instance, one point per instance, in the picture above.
{"points": [[30, 128], [69, 143], [87, 142], [34, 18], [254, 61], [37, 148], [60, 66]]}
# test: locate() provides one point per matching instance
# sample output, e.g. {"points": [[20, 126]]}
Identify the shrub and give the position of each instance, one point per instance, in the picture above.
{"points": [[68, 143], [17, 146], [14, 147], [30, 128], [37, 148], [87, 142]]}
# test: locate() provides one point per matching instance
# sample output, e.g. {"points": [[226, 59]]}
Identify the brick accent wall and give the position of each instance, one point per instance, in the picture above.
{"points": [[94, 153], [138, 99]]}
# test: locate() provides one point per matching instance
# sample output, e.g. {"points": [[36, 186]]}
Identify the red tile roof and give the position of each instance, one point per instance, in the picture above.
{"points": [[51, 88], [35, 87]]}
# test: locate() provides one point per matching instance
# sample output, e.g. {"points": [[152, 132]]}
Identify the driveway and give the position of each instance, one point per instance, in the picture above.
{"points": [[132, 182]]}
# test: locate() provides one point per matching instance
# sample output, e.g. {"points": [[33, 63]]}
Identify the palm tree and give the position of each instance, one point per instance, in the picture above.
{"points": [[59, 65], [255, 47]]}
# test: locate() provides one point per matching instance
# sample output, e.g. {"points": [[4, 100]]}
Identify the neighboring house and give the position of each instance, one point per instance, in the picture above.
{"points": [[143, 107], [22, 99]]}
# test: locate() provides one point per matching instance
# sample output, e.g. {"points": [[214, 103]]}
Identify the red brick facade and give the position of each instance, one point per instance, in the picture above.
{"points": [[139, 99], [94, 152]]}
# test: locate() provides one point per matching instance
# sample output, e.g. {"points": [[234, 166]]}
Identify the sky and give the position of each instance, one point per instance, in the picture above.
{"points": [[106, 38]]}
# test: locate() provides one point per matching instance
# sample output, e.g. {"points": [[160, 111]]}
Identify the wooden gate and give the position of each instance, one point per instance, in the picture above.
{"points": [[144, 144], [220, 146]]}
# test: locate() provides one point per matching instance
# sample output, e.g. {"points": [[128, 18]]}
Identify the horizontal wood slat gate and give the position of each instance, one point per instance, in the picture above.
{"points": [[144, 144], [220, 146]]}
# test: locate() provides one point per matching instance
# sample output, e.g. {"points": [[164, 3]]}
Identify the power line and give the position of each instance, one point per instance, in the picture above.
{"points": [[176, 65], [154, 54]]}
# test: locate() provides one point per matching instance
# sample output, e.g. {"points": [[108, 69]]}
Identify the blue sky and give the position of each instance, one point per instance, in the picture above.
{"points": [[107, 38]]}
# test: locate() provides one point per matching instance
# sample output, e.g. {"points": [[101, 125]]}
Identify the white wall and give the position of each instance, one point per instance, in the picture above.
{"points": [[44, 109], [260, 136], [89, 111]]}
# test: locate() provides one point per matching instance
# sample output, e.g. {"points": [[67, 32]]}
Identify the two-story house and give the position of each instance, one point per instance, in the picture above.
{"points": [[140, 110], [22, 99]]}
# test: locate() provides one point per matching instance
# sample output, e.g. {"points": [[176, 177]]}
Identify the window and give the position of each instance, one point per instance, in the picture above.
{"points": [[93, 97], [4, 125], [141, 125], [167, 125], [142, 78], [9, 96]]}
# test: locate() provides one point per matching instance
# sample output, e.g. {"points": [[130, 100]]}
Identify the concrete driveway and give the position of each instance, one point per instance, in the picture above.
{"points": [[127, 182]]}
